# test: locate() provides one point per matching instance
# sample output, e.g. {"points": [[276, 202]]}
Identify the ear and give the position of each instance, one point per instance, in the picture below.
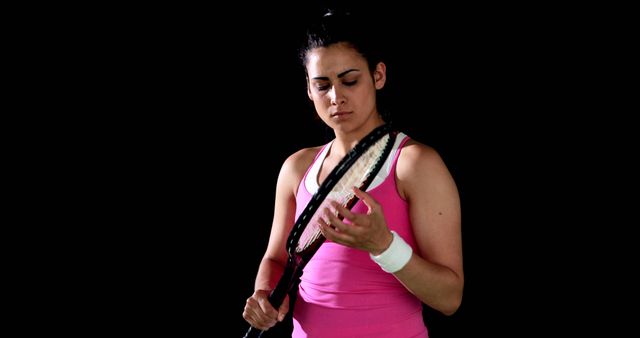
{"points": [[380, 75]]}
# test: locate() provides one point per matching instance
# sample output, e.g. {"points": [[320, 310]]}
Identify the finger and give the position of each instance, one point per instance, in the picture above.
{"points": [[284, 309], [328, 231], [262, 312], [267, 308], [254, 315], [325, 227], [346, 213], [366, 198], [263, 323], [255, 321], [248, 314], [335, 222]]}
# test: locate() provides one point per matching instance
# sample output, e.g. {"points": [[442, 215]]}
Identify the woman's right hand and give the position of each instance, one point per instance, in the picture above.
{"points": [[260, 313]]}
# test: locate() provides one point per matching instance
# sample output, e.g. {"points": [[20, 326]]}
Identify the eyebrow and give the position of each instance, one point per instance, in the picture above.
{"points": [[339, 75]]}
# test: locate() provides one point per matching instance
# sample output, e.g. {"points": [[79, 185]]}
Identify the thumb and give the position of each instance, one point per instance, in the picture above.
{"points": [[284, 309]]}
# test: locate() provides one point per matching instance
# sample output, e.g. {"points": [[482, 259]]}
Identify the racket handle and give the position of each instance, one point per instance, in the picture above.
{"points": [[277, 296], [253, 333]]}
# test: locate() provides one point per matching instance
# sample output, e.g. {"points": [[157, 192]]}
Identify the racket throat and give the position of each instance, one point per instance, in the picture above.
{"points": [[287, 283]]}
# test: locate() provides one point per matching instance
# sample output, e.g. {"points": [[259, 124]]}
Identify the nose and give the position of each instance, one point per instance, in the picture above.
{"points": [[336, 95]]}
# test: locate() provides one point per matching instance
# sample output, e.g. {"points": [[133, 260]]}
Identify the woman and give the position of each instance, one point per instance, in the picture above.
{"points": [[399, 246]]}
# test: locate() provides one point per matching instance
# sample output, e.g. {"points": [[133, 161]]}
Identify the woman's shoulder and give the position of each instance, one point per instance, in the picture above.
{"points": [[417, 156], [300, 161], [414, 150], [421, 168]]}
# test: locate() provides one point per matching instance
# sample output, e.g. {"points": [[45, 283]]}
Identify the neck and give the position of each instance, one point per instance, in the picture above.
{"points": [[345, 141]]}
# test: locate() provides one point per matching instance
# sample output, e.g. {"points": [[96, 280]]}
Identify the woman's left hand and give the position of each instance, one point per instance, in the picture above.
{"points": [[368, 231]]}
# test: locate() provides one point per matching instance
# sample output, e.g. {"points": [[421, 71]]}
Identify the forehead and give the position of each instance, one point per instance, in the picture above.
{"points": [[334, 59]]}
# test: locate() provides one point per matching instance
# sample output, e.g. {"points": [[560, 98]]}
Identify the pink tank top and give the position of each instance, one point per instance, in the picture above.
{"points": [[342, 292]]}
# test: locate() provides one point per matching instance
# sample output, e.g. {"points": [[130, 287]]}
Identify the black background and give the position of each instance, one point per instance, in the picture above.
{"points": [[199, 107]]}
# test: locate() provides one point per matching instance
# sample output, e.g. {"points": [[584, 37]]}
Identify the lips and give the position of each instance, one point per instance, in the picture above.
{"points": [[340, 113]]}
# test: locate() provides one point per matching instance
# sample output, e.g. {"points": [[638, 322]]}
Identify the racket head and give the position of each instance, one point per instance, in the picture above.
{"points": [[357, 169]]}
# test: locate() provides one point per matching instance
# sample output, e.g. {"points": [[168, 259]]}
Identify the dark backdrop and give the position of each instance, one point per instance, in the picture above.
{"points": [[202, 105]]}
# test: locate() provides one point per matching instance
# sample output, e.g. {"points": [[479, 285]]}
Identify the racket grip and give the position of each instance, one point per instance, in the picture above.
{"points": [[275, 298], [253, 333], [277, 295]]}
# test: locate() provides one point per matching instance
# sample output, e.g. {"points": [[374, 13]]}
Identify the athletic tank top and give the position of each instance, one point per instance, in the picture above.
{"points": [[342, 292]]}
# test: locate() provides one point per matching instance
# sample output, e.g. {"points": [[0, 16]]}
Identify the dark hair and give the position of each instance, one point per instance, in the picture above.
{"points": [[357, 31], [341, 26]]}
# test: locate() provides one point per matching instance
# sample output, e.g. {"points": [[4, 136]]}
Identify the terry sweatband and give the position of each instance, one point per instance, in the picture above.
{"points": [[396, 256]]}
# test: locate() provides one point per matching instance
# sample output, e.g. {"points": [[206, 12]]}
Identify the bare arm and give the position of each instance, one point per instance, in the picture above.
{"points": [[434, 274], [258, 311], [275, 257]]}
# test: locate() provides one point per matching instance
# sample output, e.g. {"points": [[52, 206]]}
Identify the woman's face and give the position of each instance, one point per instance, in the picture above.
{"points": [[342, 88]]}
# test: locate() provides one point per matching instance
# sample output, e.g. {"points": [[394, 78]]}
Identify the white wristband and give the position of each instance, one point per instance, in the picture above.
{"points": [[396, 256]]}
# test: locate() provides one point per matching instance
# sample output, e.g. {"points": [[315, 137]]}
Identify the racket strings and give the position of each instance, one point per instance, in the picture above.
{"points": [[342, 192]]}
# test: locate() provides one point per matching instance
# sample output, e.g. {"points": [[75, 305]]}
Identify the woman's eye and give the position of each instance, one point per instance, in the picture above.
{"points": [[349, 83], [323, 87]]}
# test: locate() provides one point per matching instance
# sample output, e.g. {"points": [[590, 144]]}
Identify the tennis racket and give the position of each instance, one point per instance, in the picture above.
{"points": [[357, 169]]}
